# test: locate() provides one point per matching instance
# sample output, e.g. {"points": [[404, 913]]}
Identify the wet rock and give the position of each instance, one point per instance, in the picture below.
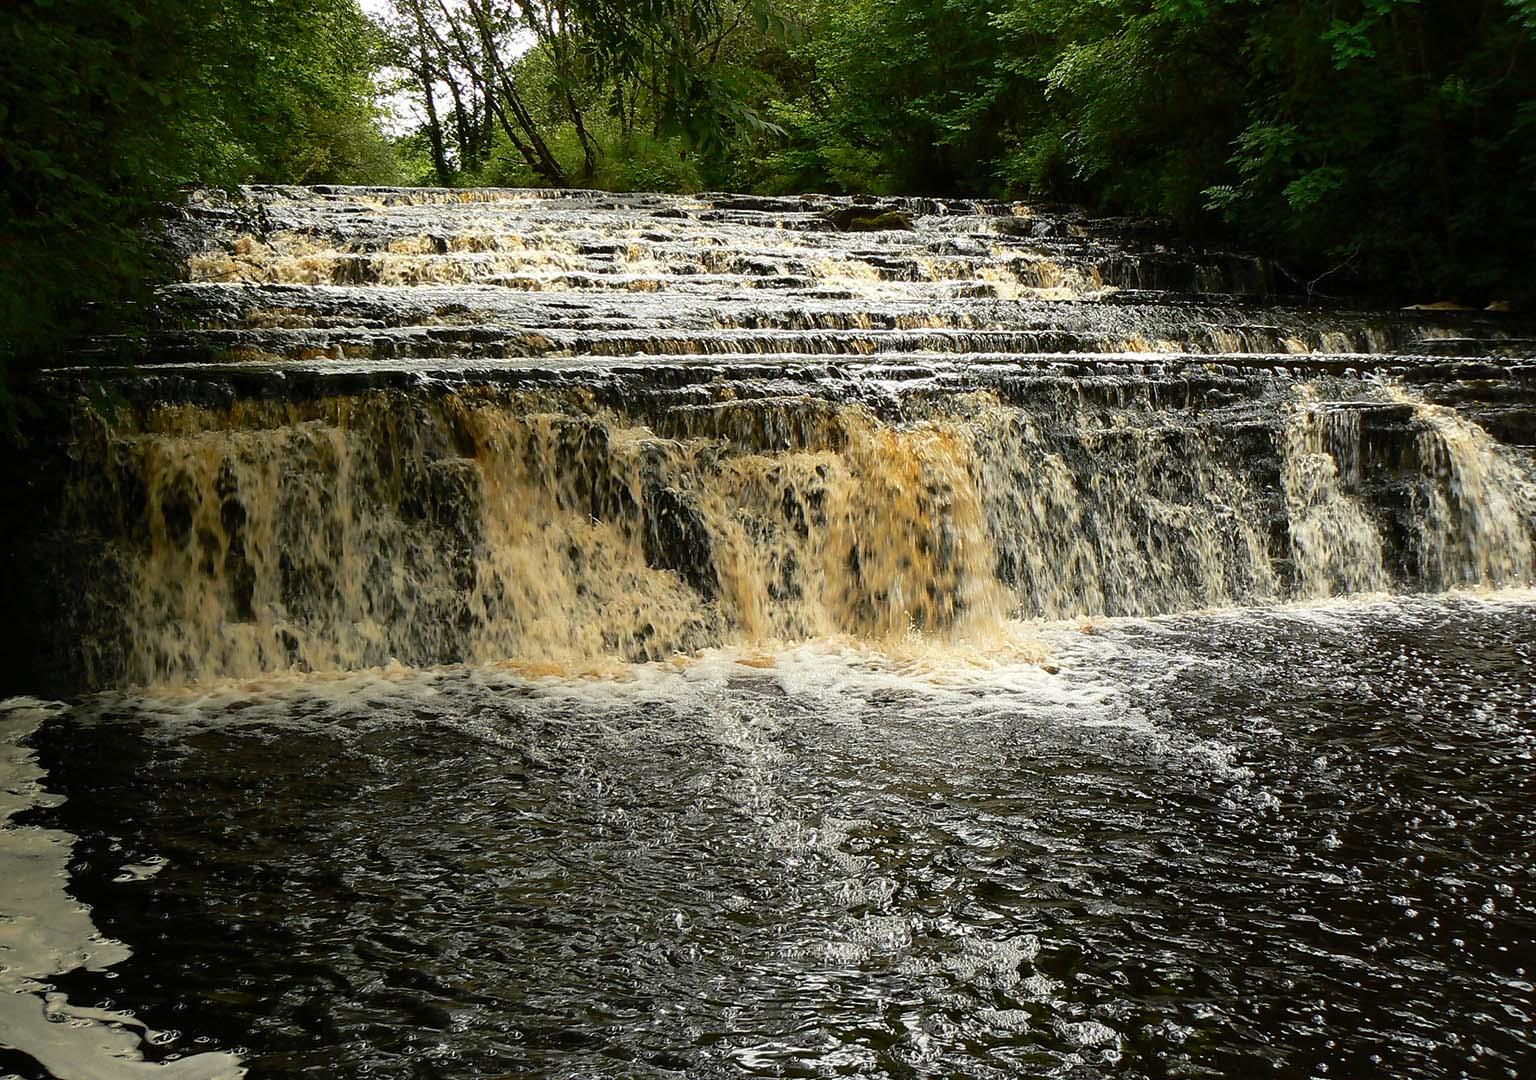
{"points": [[1117, 403], [677, 538], [1440, 305], [862, 219]]}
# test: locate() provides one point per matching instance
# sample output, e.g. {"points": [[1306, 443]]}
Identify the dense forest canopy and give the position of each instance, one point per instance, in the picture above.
{"points": [[1386, 143], [1383, 144], [107, 107]]}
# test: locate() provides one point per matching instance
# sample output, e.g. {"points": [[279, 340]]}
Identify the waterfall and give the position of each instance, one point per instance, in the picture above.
{"points": [[346, 532], [434, 427], [1336, 545], [1475, 505]]}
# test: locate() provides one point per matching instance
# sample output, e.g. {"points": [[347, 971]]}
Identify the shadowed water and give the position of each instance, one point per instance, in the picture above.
{"points": [[518, 633], [432, 427], [1294, 842]]}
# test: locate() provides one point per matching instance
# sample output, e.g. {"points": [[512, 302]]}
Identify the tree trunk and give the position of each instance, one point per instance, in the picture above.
{"points": [[434, 127], [545, 163]]}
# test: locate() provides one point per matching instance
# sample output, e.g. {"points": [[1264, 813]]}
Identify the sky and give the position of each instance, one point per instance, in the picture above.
{"points": [[401, 111]]}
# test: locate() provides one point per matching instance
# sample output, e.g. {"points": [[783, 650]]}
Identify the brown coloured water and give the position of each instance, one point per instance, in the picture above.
{"points": [[532, 633]]}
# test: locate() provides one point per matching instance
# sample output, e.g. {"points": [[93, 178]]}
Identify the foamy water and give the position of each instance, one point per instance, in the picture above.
{"points": [[825, 854]]}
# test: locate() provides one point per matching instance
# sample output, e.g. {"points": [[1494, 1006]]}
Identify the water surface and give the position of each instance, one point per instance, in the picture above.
{"points": [[1293, 842]]}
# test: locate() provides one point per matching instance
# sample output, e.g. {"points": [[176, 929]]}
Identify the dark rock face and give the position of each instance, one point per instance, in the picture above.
{"points": [[437, 427], [861, 219]]}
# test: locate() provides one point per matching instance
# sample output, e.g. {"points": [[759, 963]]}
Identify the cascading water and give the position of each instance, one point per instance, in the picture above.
{"points": [[845, 619], [1337, 547], [410, 427], [541, 526]]}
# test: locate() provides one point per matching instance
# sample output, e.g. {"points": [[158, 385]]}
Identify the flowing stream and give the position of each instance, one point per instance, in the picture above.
{"points": [[510, 633]]}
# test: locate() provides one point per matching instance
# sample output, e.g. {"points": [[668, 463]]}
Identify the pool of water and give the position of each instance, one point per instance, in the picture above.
{"points": [[1293, 843]]}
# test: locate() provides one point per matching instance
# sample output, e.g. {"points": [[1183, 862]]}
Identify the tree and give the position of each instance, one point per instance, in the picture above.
{"points": [[1392, 137], [107, 107], [597, 71]]}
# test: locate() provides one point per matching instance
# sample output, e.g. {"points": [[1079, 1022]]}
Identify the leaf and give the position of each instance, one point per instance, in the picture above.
{"points": [[1350, 41]]}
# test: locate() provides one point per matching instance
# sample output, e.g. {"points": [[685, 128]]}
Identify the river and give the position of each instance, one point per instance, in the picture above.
{"points": [[508, 633]]}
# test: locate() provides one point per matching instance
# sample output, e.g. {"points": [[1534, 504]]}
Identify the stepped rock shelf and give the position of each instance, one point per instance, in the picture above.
{"points": [[437, 426], [346, 573]]}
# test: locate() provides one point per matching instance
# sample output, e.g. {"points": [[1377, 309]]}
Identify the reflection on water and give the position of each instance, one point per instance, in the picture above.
{"points": [[1285, 843], [723, 514], [44, 933]]}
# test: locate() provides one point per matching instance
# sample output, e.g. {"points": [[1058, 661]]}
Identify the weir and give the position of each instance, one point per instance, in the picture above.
{"points": [[345, 570], [559, 428]]}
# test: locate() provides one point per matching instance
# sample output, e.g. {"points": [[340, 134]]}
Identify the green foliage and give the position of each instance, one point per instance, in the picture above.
{"points": [[642, 162], [1396, 135], [820, 154], [107, 107], [1391, 129], [633, 161], [908, 96]]}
